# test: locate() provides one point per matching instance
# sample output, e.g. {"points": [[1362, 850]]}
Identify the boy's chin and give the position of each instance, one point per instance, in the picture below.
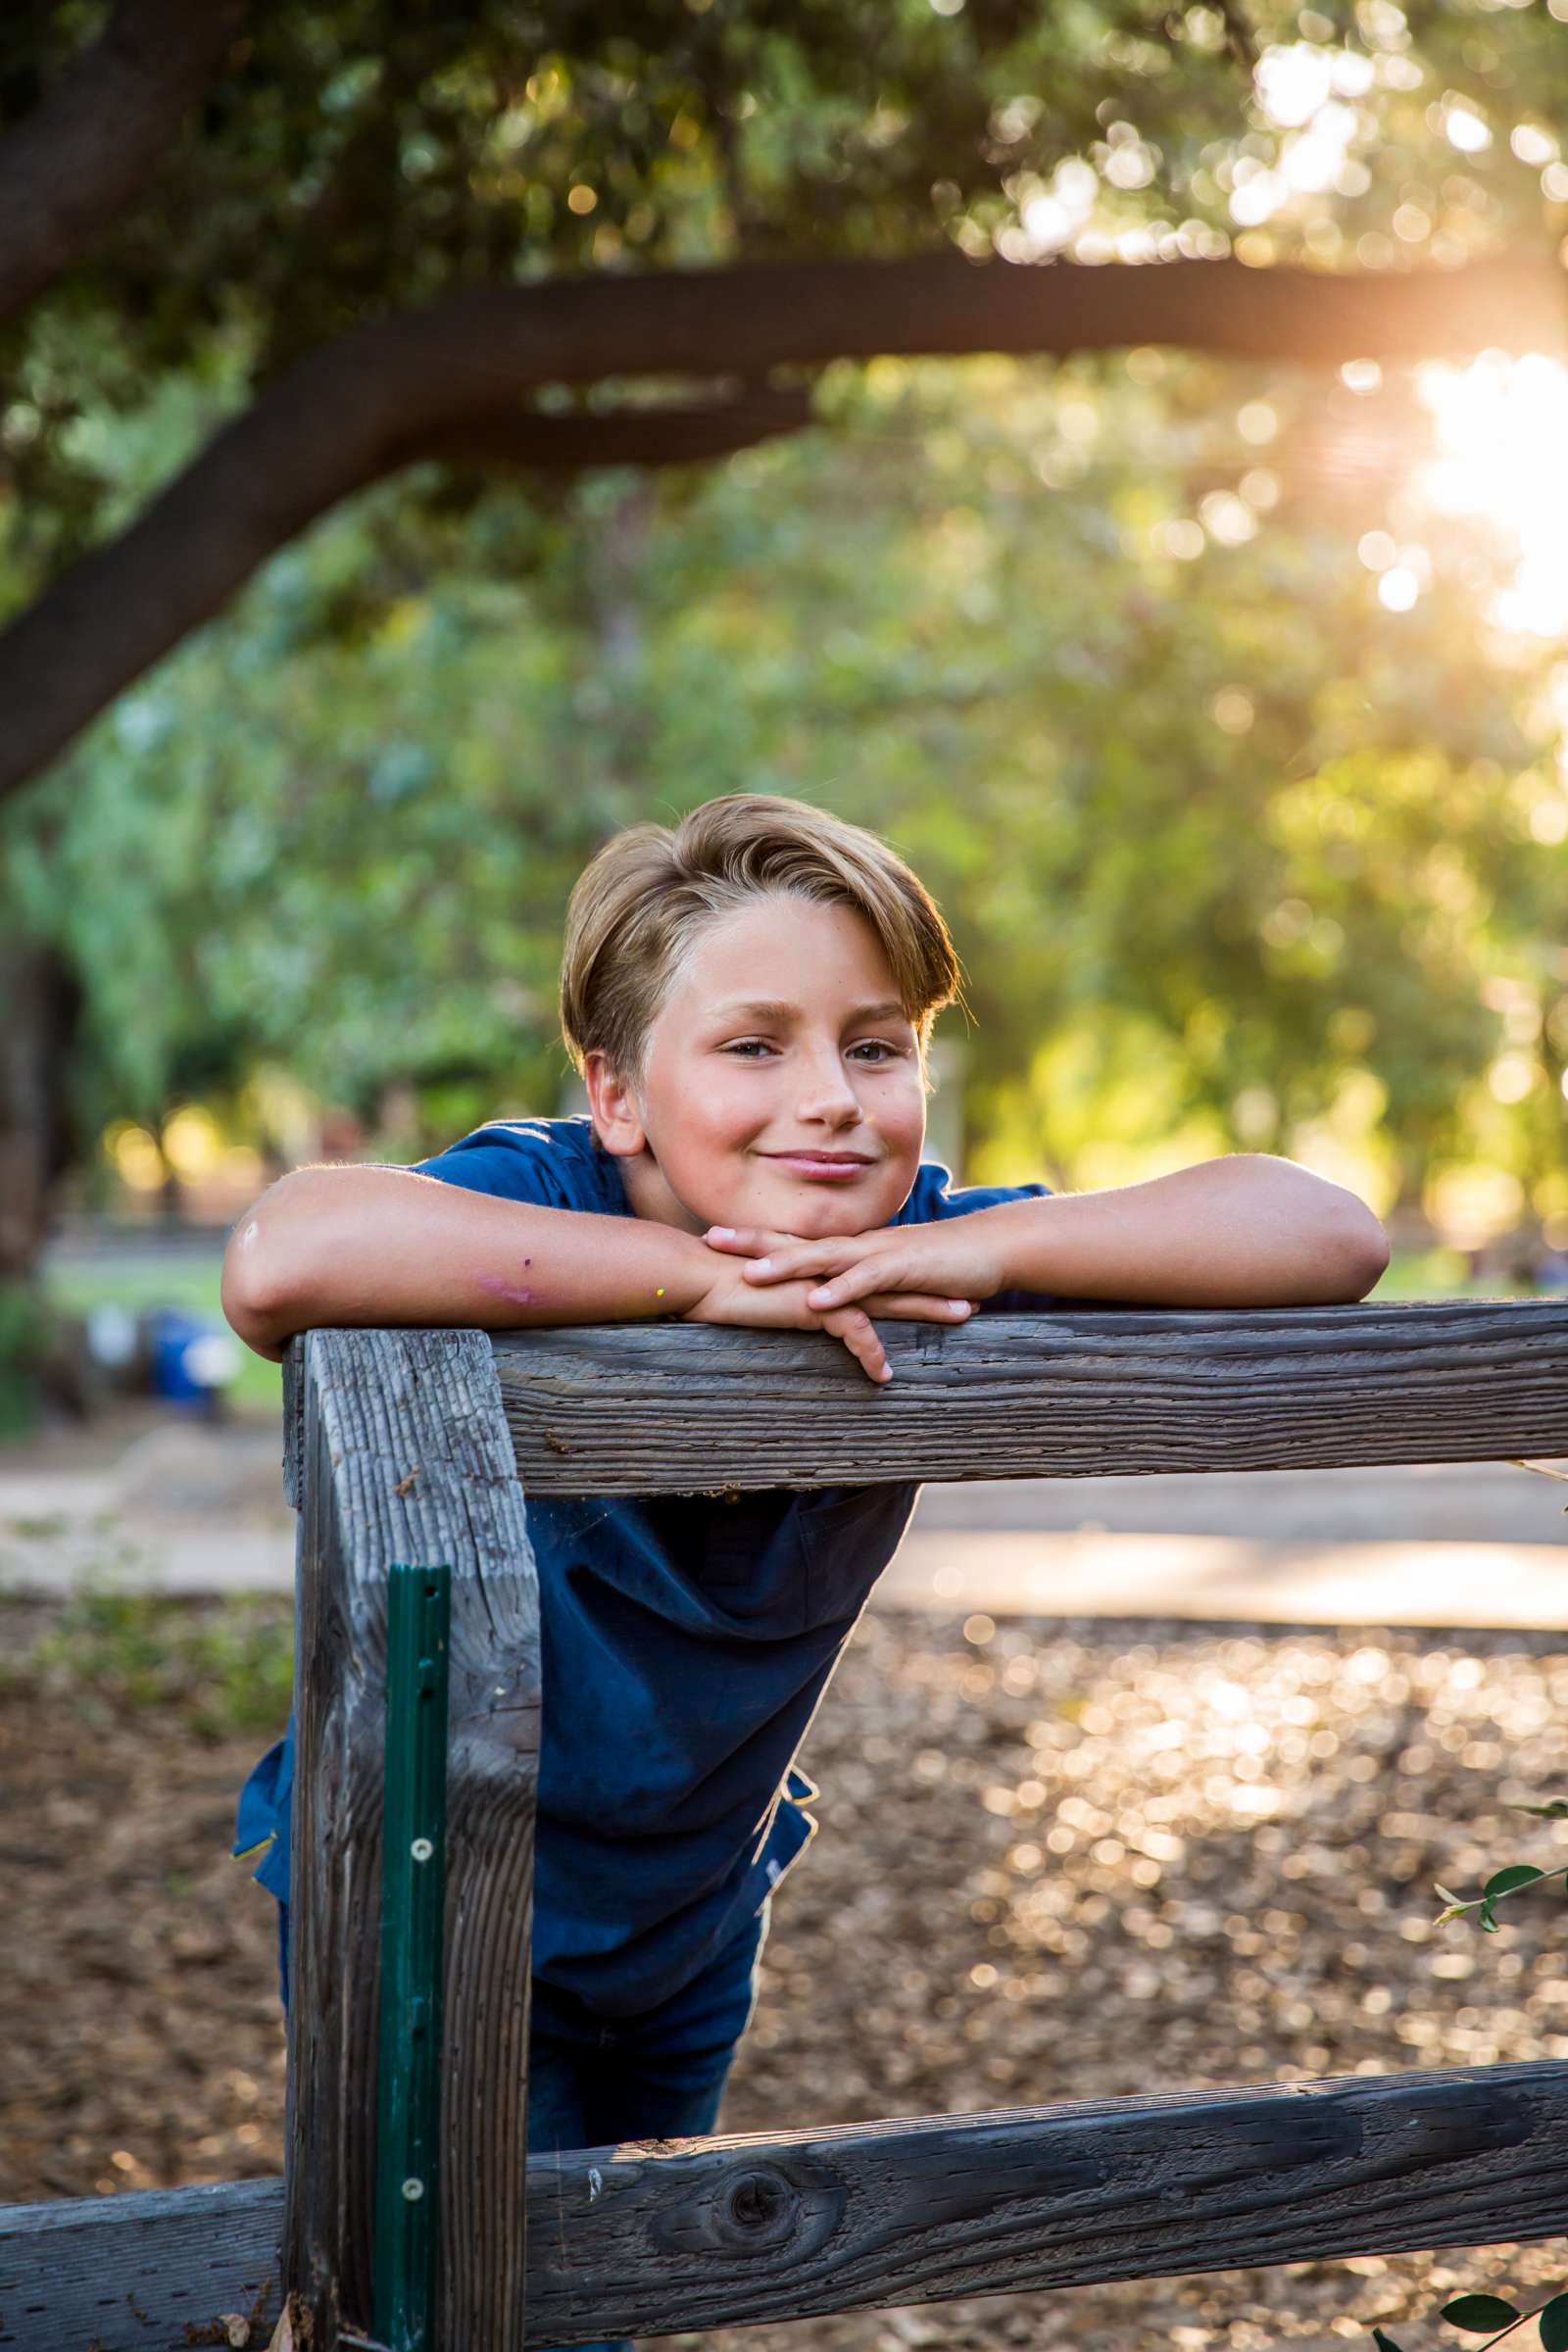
{"points": [[816, 1212]]}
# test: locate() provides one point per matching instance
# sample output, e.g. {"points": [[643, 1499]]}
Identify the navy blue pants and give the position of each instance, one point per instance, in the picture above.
{"points": [[594, 2081]]}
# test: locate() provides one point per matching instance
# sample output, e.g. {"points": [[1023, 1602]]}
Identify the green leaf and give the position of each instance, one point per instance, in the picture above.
{"points": [[1557, 1810], [1384, 2343], [1478, 2313], [1488, 1919], [1517, 1874], [1553, 2318]]}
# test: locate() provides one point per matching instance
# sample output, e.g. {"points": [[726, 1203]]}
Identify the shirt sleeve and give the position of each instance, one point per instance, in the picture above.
{"points": [[932, 1197], [262, 1822], [553, 1162]]}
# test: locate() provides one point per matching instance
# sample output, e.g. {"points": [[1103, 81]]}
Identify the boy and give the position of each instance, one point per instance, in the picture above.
{"points": [[749, 998]]}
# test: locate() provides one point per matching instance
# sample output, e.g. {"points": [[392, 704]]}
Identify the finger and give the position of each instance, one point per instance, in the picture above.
{"points": [[803, 1262], [916, 1307], [847, 1285], [859, 1334], [794, 1261], [744, 1241]]}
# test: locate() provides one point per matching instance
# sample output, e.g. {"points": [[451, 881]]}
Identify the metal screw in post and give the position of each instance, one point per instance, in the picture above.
{"points": [[422, 1849], [414, 2190]]}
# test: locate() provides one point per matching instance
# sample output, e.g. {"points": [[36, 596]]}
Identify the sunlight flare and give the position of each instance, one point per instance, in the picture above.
{"points": [[1501, 432]]}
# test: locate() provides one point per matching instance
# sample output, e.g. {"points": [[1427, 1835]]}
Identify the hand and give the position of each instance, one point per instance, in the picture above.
{"points": [[782, 1306], [941, 1261]]}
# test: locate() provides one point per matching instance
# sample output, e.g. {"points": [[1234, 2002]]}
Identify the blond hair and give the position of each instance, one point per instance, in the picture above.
{"points": [[641, 901]]}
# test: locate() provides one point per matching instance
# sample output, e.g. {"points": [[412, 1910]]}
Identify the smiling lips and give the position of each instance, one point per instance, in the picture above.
{"points": [[829, 1165]]}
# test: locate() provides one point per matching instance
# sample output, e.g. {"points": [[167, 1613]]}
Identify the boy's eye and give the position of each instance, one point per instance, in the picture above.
{"points": [[875, 1049]]}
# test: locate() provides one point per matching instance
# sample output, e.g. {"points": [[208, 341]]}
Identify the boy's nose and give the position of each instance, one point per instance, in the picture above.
{"points": [[827, 1093]]}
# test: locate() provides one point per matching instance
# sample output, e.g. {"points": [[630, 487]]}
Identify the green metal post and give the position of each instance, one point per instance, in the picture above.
{"points": [[413, 1888]]}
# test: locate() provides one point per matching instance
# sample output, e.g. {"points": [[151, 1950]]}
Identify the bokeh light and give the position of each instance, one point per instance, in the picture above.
{"points": [[1502, 428]]}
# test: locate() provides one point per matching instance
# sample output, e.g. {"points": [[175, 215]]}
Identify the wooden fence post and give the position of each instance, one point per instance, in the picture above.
{"points": [[399, 1452]]}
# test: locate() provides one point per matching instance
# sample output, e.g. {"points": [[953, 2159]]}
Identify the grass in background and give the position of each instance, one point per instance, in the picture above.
{"points": [[220, 1665], [1444, 1274]]}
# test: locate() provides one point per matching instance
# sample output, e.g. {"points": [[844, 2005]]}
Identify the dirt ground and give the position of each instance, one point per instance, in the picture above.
{"points": [[1057, 1859]]}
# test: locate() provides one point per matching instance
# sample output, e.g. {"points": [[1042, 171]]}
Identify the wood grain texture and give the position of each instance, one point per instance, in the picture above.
{"points": [[647, 2240], [133, 2274], [404, 1455], [653, 1408], [676, 2236]]}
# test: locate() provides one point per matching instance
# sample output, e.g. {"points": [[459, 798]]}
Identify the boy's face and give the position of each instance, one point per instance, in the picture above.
{"points": [[781, 1083]]}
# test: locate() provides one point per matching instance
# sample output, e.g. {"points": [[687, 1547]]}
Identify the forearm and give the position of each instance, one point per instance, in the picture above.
{"points": [[1246, 1231], [373, 1245]]}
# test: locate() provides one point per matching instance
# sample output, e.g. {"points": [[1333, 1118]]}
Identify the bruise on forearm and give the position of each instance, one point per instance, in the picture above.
{"points": [[511, 1293]]}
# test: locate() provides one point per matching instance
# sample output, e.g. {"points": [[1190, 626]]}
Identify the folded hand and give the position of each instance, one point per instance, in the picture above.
{"points": [[773, 1302], [956, 1258]]}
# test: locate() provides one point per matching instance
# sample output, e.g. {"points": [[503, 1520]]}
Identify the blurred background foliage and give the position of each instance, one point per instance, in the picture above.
{"points": [[1235, 855], [1226, 725]]}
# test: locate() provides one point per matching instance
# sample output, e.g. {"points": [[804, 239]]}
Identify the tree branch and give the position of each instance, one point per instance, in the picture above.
{"points": [[70, 165], [675, 433], [357, 408]]}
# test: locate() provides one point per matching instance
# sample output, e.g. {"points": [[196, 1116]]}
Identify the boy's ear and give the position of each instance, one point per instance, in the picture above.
{"points": [[616, 1113]]}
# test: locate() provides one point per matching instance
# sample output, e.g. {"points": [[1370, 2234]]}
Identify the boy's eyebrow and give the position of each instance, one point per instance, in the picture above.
{"points": [[776, 1010]]}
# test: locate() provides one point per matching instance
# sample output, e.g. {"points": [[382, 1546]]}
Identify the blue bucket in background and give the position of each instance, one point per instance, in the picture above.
{"points": [[191, 1358]]}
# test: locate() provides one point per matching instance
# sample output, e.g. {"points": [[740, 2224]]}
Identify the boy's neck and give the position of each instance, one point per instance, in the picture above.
{"points": [[648, 1193]]}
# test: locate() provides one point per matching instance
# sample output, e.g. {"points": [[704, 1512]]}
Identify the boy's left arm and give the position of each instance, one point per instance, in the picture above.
{"points": [[1246, 1231]]}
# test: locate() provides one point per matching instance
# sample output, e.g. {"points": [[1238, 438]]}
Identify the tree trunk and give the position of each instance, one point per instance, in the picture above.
{"points": [[42, 1002]]}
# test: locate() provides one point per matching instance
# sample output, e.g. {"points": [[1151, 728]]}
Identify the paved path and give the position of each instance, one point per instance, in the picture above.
{"points": [[184, 1508], [166, 1505], [1016, 1573], [1461, 1545]]}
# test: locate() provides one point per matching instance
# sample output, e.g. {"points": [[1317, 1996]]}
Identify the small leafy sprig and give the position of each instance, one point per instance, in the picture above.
{"points": [[1494, 2317], [1508, 1880]]}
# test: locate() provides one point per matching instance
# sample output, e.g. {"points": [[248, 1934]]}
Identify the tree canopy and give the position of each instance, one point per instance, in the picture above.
{"points": [[1233, 842], [383, 234], [1234, 853]]}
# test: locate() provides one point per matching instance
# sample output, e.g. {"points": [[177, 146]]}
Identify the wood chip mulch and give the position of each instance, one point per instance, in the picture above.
{"points": [[1057, 1859]]}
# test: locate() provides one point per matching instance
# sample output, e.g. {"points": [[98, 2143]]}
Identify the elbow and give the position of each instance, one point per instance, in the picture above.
{"points": [[1340, 1246], [1378, 1254], [254, 1319], [255, 1301], [1353, 1247], [1364, 1254]]}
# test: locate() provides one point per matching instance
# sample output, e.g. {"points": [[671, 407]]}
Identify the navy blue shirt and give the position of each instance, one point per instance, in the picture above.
{"points": [[686, 1641]]}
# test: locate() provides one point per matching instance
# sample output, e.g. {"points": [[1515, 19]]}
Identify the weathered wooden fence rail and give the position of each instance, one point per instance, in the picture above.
{"points": [[644, 1409], [420, 1446], [704, 2233]]}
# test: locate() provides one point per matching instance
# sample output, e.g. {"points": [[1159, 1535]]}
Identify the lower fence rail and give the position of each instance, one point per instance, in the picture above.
{"points": [[673, 2235]]}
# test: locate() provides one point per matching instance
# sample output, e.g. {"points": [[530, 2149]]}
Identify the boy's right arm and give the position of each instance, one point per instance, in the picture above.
{"points": [[378, 1245], [369, 1247]]}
